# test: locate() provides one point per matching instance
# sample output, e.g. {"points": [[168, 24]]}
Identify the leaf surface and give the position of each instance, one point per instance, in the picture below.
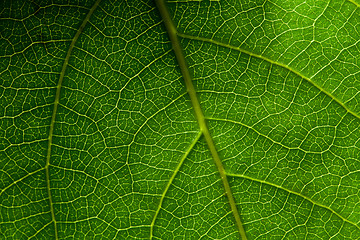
{"points": [[101, 137]]}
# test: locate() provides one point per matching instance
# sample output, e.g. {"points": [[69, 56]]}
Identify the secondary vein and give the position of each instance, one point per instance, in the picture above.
{"points": [[172, 32], [226, 45], [56, 104], [172, 179], [295, 193]]}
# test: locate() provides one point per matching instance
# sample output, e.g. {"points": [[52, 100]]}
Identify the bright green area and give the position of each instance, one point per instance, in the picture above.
{"points": [[120, 153]]}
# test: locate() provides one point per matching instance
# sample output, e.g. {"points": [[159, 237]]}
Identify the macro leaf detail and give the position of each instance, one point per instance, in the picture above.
{"points": [[106, 134]]}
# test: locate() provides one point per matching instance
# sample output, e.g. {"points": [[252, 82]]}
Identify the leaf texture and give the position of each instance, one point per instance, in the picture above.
{"points": [[100, 135]]}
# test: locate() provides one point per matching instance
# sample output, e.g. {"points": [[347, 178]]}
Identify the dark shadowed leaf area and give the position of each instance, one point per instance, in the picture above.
{"points": [[249, 129]]}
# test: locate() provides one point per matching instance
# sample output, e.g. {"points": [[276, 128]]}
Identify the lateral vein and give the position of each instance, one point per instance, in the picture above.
{"points": [[274, 63], [171, 180], [56, 104], [295, 193]]}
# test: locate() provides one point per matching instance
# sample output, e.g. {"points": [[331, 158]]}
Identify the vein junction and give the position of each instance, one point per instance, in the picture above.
{"points": [[173, 35]]}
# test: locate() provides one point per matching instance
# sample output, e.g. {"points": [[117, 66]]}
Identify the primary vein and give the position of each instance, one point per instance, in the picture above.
{"points": [[172, 32], [56, 104], [355, 3]]}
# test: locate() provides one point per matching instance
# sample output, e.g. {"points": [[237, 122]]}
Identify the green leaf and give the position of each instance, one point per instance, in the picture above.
{"points": [[180, 120]]}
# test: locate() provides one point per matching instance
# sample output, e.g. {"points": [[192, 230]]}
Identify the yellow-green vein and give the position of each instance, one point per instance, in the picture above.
{"points": [[171, 180], [37, 232], [56, 103], [263, 135], [295, 193], [19, 180], [272, 62], [355, 3], [173, 35]]}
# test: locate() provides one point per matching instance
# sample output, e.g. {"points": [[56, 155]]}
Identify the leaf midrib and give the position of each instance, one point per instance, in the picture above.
{"points": [[173, 36], [355, 3], [194, 100], [347, 109]]}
